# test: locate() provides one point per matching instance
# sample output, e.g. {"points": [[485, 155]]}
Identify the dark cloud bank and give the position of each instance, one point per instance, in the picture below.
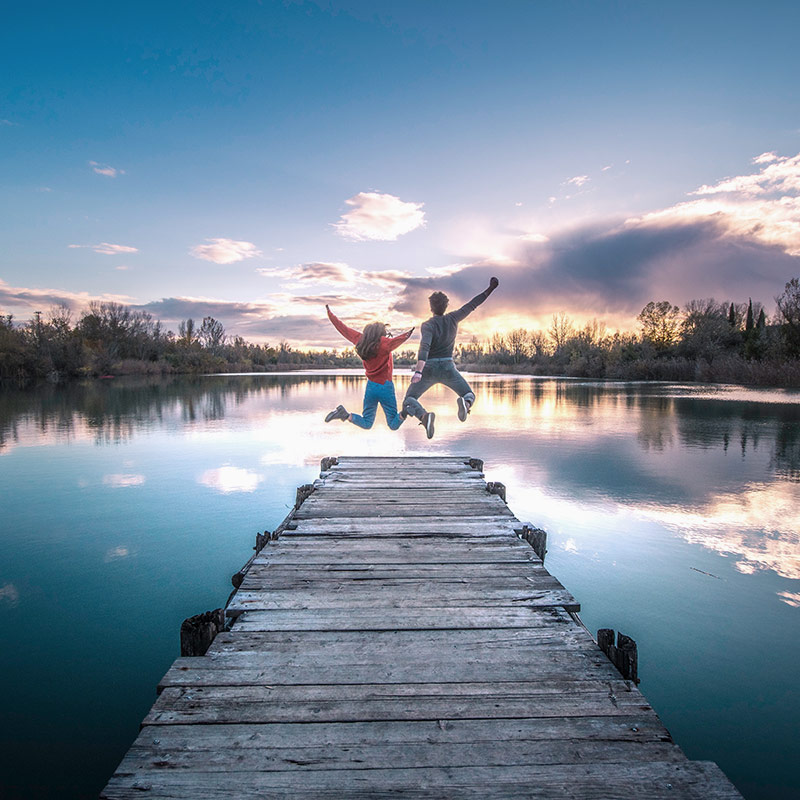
{"points": [[617, 269]]}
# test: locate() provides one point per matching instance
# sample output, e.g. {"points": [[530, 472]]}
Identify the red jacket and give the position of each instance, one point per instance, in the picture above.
{"points": [[379, 367]]}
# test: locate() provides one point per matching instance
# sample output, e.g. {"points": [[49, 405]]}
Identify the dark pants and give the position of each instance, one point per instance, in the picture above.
{"points": [[437, 370]]}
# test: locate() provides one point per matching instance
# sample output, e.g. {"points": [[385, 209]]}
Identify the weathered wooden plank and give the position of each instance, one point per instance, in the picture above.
{"points": [[360, 643], [208, 749], [692, 780], [348, 550], [325, 510], [378, 619], [234, 704], [276, 575], [411, 595], [250, 669], [638, 728]]}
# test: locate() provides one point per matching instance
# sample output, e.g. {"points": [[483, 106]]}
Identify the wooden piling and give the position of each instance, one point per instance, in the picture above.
{"points": [[198, 632]]}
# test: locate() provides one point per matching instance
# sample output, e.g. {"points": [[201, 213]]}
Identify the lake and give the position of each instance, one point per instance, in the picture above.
{"points": [[673, 514]]}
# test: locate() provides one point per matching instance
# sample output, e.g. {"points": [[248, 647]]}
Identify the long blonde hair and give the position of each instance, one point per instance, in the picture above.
{"points": [[370, 340]]}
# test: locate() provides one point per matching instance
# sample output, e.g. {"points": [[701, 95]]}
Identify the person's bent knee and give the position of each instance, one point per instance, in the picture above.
{"points": [[395, 423]]}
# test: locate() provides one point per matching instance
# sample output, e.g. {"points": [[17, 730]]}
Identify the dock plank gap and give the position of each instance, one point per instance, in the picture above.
{"points": [[399, 635]]}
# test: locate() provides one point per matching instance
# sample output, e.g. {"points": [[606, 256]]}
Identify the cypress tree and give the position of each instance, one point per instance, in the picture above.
{"points": [[748, 326], [761, 323], [732, 316]]}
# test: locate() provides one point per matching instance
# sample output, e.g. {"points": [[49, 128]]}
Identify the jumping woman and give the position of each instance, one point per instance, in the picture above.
{"points": [[374, 348]]}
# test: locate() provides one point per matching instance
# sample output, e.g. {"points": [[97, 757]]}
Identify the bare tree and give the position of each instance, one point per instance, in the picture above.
{"points": [[518, 344], [538, 343], [212, 333], [560, 330]]}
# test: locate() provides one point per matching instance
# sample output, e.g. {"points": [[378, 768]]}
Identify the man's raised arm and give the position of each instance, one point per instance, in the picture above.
{"points": [[469, 307]]}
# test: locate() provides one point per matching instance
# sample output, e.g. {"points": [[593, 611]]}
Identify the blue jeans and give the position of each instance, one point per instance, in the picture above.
{"points": [[437, 370], [375, 393]]}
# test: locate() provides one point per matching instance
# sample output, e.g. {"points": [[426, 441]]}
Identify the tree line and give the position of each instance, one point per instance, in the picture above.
{"points": [[705, 340]]}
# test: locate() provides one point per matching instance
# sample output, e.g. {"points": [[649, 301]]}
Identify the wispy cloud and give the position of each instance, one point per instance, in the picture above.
{"points": [[335, 273], [225, 251], [763, 207], [25, 299], [790, 598], [106, 169], [780, 175], [7, 123], [106, 248], [178, 308], [379, 217], [578, 180]]}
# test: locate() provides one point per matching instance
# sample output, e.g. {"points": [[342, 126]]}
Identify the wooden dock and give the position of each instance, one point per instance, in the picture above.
{"points": [[399, 638]]}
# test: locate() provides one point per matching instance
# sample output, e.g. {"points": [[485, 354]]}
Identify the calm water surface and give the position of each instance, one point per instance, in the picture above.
{"points": [[672, 513]]}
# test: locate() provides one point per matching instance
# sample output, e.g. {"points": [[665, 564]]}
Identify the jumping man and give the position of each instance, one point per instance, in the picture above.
{"points": [[435, 358]]}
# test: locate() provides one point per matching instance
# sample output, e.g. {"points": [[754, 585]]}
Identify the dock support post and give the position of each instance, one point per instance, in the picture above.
{"points": [[475, 463], [495, 487], [536, 538], [623, 655], [327, 463], [302, 493], [199, 631]]}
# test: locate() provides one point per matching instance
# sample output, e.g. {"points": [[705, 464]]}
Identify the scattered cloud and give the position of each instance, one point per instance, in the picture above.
{"points": [[334, 273], [7, 123], [781, 175], [10, 594], [606, 168], [44, 189], [578, 180], [123, 481], [106, 248], [790, 598], [761, 208], [122, 267], [25, 300], [227, 480], [225, 251], [379, 217], [227, 311], [105, 169]]}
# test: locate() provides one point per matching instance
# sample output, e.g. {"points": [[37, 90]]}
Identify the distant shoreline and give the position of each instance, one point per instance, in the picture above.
{"points": [[730, 371]]}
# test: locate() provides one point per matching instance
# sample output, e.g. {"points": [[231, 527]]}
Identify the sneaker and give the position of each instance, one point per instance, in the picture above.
{"points": [[463, 409], [338, 413], [427, 421]]}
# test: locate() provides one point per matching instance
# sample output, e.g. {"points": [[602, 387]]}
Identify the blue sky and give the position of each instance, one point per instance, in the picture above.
{"points": [[254, 160]]}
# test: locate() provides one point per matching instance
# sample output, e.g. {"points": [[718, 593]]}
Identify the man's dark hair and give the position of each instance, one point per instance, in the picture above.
{"points": [[439, 301]]}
